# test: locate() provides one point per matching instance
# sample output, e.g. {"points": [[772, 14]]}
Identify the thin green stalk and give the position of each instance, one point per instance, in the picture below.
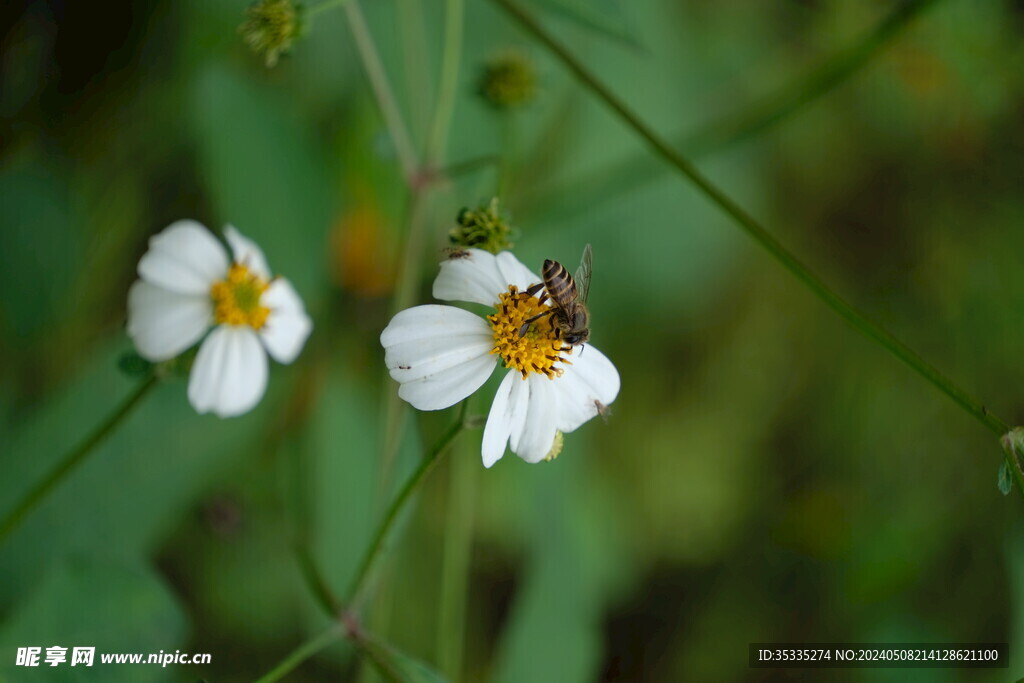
{"points": [[347, 624], [755, 230], [382, 90], [458, 535], [415, 32], [302, 653], [325, 5], [741, 124], [73, 459], [409, 273], [405, 293], [316, 582], [509, 158], [447, 88], [461, 168], [825, 77], [408, 281], [430, 459]]}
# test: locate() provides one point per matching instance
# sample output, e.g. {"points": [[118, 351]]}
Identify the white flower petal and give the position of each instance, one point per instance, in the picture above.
{"points": [[499, 422], [448, 387], [520, 400], [513, 272], [413, 360], [246, 252], [288, 325], [475, 277], [230, 372], [590, 378], [184, 257], [538, 432], [440, 354], [432, 321], [162, 324]]}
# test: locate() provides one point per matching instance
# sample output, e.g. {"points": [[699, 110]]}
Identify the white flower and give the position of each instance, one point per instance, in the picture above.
{"points": [[187, 285], [442, 354]]}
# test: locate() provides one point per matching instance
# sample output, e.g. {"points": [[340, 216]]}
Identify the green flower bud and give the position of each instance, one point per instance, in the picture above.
{"points": [[481, 228], [508, 80], [271, 27]]}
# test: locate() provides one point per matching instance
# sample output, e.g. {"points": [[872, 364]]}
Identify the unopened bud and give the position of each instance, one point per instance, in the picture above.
{"points": [[482, 228], [271, 26], [508, 80]]}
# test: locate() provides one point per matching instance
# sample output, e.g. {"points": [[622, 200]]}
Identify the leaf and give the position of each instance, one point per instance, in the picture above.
{"points": [[396, 666], [601, 16], [116, 608], [1005, 479], [40, 245], [135, 486]]}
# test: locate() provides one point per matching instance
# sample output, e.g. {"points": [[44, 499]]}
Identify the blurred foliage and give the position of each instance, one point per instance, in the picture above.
{"points": [[766, 475]]}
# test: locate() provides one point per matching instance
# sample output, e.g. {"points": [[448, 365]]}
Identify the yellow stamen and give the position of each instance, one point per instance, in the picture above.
{"points": [[538, 348], [236, 299], [556, 447]]}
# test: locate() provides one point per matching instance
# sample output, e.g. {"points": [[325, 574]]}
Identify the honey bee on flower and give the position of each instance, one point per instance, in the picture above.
{"points": [[442, 354]]}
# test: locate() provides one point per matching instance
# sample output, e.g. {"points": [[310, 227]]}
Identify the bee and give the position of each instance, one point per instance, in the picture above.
{"points": [[602, 410], [568, 298]]}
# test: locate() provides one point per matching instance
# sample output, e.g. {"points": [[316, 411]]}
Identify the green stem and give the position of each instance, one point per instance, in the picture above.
{"points": [[316, 582], [755, 230], [450, 58], [509, 159], [382, 90], [460, 168], [325, 5], [73, 459], [409, 272], [428, 462], [405, 289], [556, 200], [344, 626], [753, 119], [414, 33], [455, 564], [302, 653], [405, 293]]}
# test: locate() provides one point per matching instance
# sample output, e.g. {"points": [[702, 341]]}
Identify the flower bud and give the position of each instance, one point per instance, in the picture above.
{"points": [[271, 26], [481, 228], [508, 80]]}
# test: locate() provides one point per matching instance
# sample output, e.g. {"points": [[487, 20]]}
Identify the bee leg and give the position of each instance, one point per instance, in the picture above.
{"points": [[529, 321], [533, 289]]}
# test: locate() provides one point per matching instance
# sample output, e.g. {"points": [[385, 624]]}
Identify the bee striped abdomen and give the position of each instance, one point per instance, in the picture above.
{"points": [[558, 282]]}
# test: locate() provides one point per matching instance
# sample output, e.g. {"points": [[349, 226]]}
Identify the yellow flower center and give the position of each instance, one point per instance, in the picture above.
{"points": [[533, 349], [236, 299]]}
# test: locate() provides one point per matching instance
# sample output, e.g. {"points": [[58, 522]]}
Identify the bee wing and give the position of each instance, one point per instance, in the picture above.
{"points": [[582, 277]]}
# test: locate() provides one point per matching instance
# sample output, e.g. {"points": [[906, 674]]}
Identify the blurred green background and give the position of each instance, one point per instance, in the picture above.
{"points": [[766, 475]]}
